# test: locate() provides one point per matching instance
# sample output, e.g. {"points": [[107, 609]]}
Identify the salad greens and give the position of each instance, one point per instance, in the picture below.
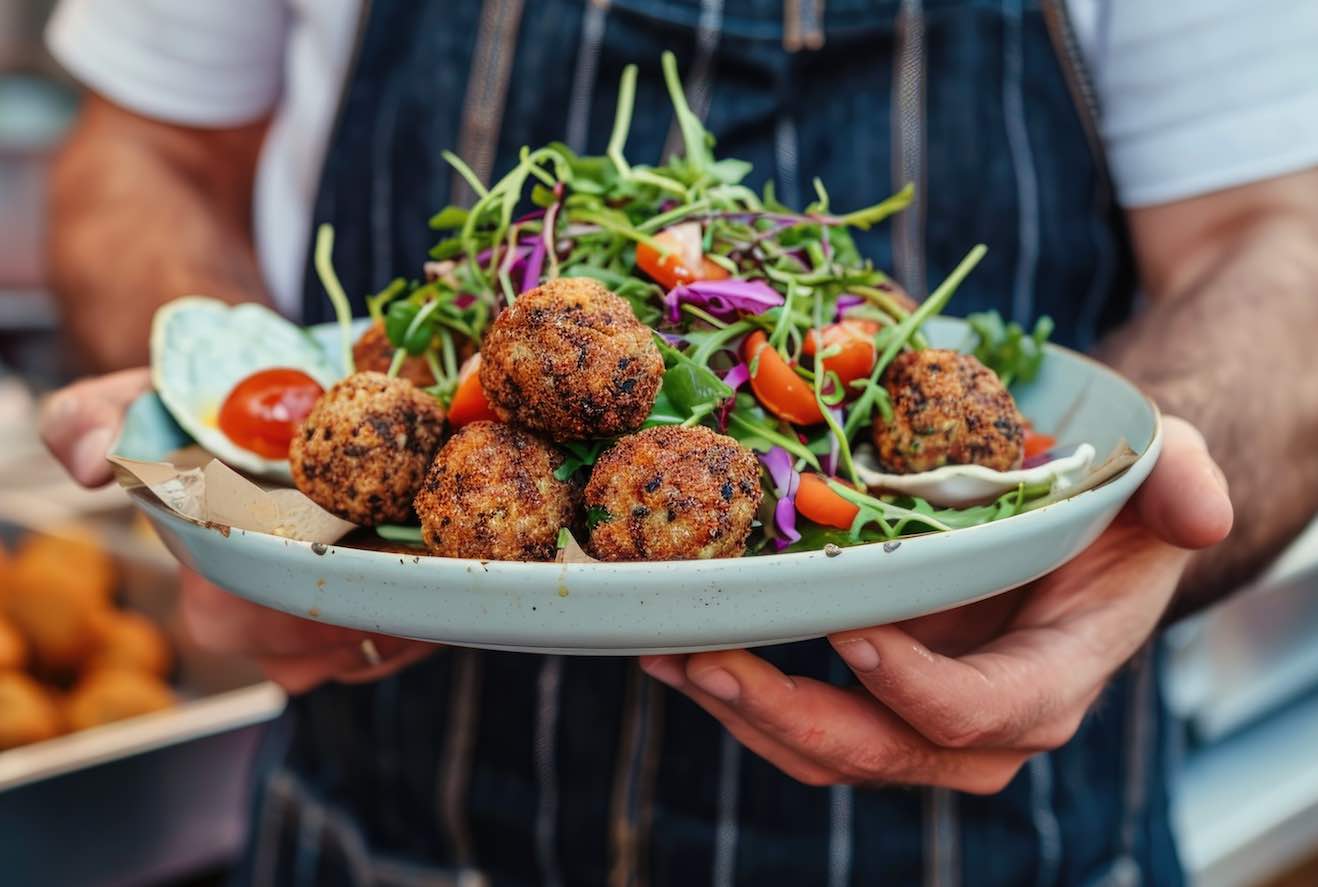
{"points": [[738, 288]]}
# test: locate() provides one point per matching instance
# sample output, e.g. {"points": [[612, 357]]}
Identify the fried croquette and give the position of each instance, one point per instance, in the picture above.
{"points": [[947, 409], [113, 694], [363, 450], [672, 493], [373, 352], [491, 494], [129, 640], [569, 360], [13, 648], [27, 711], [56, 617]]}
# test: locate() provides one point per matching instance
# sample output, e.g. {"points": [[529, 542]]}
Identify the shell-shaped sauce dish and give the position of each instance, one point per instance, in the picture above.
{"points": [[959, 486]]}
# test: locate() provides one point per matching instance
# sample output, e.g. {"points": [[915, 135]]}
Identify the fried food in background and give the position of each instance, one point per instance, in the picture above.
{"points": [[672, 493], [491, 494], [123, 639], [113, 694], [947, 409], [365, 447], [58, 619], [68, 555], [28, 713], [13, 647], [569, 360], [373, 352]]}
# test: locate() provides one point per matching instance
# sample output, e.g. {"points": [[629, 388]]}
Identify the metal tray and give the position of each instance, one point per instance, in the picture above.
{"points": [[149, 799]]}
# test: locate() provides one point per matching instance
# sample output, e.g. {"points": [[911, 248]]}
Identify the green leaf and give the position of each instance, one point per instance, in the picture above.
{"points": [[449, 218], [596, 515]]}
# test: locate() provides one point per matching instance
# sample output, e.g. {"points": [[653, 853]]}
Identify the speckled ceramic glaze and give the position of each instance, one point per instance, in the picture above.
{"points": [[626, 609]]}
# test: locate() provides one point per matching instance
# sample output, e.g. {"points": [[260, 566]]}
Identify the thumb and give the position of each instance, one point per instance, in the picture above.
{"points": [[79, 423], [1185, 500]]}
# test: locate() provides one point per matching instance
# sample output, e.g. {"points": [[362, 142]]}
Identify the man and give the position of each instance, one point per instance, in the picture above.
{"points": [[211, 142]]}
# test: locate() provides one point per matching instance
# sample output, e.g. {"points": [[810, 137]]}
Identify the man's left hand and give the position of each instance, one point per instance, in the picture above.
{"points": [[962, 699]]}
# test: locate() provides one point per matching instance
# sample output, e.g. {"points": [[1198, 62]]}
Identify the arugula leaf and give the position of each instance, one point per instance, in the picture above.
{"points": [[688, 389], [596, 515], [580, 454], [1006, 349]]}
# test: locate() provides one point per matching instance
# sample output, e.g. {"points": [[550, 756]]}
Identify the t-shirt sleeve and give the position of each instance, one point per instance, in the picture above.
{"points": [[207, 63], [1201, 95]]}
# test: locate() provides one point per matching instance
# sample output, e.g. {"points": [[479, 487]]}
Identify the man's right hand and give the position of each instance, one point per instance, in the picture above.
{"points": [[78, 424]]}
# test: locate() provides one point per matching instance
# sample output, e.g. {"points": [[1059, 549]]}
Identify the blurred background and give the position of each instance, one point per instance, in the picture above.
{"points": [[151, 786]]}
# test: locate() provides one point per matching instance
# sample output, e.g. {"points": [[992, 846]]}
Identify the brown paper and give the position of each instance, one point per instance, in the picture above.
{"points": [[202, 489]]}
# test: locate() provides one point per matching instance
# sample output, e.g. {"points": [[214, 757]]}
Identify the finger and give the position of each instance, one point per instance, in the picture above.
{"points": [[1185, 500], [225, 623], [299, 674], [79, 423], [1027, 690], [842, 730]]}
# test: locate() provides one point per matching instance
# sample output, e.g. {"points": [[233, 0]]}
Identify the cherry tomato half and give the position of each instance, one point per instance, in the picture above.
{"points": [[776, 384], [262, 412], [469, 401], [856, 358], [683, 261], [816, 501], [1037, 444]]}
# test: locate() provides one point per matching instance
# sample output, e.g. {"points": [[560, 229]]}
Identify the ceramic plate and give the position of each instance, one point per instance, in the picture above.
{"points": [[628, 609]]}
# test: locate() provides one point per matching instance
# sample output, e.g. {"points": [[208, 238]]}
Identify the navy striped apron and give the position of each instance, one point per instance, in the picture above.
{"points": [[507, 769]]}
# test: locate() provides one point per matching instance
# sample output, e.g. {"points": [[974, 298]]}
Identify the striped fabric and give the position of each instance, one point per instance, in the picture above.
{"points": [[505, 769]]}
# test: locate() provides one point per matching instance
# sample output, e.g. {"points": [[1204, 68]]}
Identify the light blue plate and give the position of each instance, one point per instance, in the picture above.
{"points": [[628, 609]]}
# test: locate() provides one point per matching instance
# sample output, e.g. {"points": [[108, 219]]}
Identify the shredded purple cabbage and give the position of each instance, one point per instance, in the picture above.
{"points": [[786, 480], [845, 303], [829, 462], [723, 298], [737, 376], [534, 262]]}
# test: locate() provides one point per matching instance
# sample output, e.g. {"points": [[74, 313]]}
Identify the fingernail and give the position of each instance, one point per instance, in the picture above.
{"points": [[665, 669], [719, 683], [1220, 477], [88, 455], [859, 654]]}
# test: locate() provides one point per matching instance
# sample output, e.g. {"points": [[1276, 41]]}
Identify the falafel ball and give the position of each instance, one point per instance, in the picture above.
{"points": [[130, 640], [491, 494], [28, 712], [13, 647], [672, 493], [569, 360], [363, 450], [113, 694], [947, 409], [374, 352]]}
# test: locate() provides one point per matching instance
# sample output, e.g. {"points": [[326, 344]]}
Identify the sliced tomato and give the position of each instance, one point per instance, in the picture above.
{"points": [[262, 412], [777, 385], [469, 401], [1037, 444], [817, 501], [855, 339], [683, 260]]}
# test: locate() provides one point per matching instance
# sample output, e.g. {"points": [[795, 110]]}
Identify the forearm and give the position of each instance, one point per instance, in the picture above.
{"points": [[1234, 352], [140, 216]]}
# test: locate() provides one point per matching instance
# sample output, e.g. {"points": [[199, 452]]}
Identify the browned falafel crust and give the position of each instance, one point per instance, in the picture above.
{"points": [[673, 493], [373, 352], [363, 450], [948, 409], [491, 494], [570, 360]]}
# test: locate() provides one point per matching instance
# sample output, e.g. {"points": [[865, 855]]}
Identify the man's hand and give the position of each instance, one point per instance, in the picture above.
{"points": [[962, 699], [79, 423]]}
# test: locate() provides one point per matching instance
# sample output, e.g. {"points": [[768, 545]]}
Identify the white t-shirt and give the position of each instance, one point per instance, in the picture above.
{"points": [[1197, 95]]}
